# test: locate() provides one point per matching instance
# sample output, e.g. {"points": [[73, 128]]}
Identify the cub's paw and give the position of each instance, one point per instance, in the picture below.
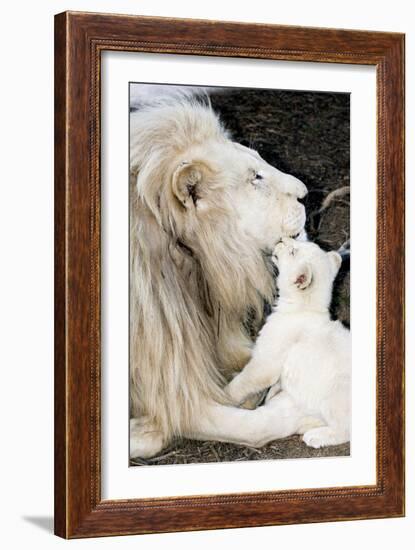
{"points": [[254, 400], [145, 440], [272, 392], [321, 437], [235, 392], [308, 423]]}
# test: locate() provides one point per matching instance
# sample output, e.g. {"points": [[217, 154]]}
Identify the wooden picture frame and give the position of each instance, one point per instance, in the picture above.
{"points": [[79, 40]]}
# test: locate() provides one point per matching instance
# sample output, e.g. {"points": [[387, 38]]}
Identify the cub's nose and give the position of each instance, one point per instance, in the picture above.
{"points": [[287, 241], [279, 246]]}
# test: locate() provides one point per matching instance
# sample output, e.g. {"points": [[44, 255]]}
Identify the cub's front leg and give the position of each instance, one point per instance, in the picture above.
{"points": [[264, 368], [256, 376]]}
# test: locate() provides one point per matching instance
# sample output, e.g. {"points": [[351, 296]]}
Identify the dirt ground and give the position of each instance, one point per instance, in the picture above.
{"points": [[306, 134]]}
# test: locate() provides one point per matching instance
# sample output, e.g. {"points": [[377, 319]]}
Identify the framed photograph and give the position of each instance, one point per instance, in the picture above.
{"points": [[223, 356]]}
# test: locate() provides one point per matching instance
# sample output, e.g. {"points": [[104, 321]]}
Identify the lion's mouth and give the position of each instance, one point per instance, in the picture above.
{"points": [[300, 236]]}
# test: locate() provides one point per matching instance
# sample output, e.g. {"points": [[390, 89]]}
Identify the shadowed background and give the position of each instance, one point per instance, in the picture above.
{"points": [[306, 134]]}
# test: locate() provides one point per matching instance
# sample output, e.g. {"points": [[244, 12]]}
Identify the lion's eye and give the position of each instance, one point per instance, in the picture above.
{"points": [[293, 251], [257, 176]]}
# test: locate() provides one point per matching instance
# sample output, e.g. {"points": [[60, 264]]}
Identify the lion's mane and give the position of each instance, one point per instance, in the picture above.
{"points": [[188, 301]]}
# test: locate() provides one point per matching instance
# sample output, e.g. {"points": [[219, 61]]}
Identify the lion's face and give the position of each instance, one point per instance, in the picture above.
{"points": [[224, 178], [267, 199]]}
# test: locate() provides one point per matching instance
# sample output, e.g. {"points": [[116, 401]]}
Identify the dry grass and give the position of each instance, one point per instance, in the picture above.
{"points": [[188, 451]]}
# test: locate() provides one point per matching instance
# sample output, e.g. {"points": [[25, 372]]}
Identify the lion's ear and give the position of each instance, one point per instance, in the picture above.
{"points": [[187, 180]]}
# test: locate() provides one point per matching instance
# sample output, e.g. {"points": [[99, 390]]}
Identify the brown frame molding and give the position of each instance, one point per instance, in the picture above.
{"points": [[79, 40]]}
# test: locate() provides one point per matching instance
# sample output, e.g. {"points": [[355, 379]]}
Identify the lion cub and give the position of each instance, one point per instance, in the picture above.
{"points": [[301, 351]]}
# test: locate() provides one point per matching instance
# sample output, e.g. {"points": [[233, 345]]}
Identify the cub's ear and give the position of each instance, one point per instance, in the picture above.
{"points": [[335, 261], [303, 276], [187, 182]]}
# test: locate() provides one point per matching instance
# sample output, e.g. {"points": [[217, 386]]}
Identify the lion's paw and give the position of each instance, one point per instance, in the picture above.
{"points": [[145, 440]]}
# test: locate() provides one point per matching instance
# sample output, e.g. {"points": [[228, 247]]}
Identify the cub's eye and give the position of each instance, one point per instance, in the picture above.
{"points": [[293, 251]]}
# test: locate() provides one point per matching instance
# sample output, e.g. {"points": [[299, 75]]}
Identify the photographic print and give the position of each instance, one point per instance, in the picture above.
{"points": [[240, 345], [203, 301]]}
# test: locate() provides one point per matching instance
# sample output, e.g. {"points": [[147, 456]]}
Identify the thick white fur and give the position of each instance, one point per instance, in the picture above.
{"points": [[203, 212], [302, 351]]}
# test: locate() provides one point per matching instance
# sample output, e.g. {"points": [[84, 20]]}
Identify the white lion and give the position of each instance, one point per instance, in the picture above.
{"points": [[204, 213], [300, 350]]}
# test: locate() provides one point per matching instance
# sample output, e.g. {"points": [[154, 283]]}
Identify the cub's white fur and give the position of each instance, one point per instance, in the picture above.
{"points": [[300, 350], [203, 211]]}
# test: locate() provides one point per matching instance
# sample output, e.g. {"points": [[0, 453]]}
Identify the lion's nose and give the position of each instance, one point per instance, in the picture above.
{"points": [[302, 190], [294, 186]]}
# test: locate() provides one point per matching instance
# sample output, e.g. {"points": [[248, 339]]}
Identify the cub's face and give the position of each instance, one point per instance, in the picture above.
{"points": [[304, 268], [224, 178]]}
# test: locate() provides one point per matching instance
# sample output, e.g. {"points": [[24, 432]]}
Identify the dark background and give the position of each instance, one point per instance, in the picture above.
{"points": [[306, 134]]}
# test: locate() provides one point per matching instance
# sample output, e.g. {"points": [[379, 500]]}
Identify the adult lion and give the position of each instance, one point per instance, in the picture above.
{"points": [[204, 210]]}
